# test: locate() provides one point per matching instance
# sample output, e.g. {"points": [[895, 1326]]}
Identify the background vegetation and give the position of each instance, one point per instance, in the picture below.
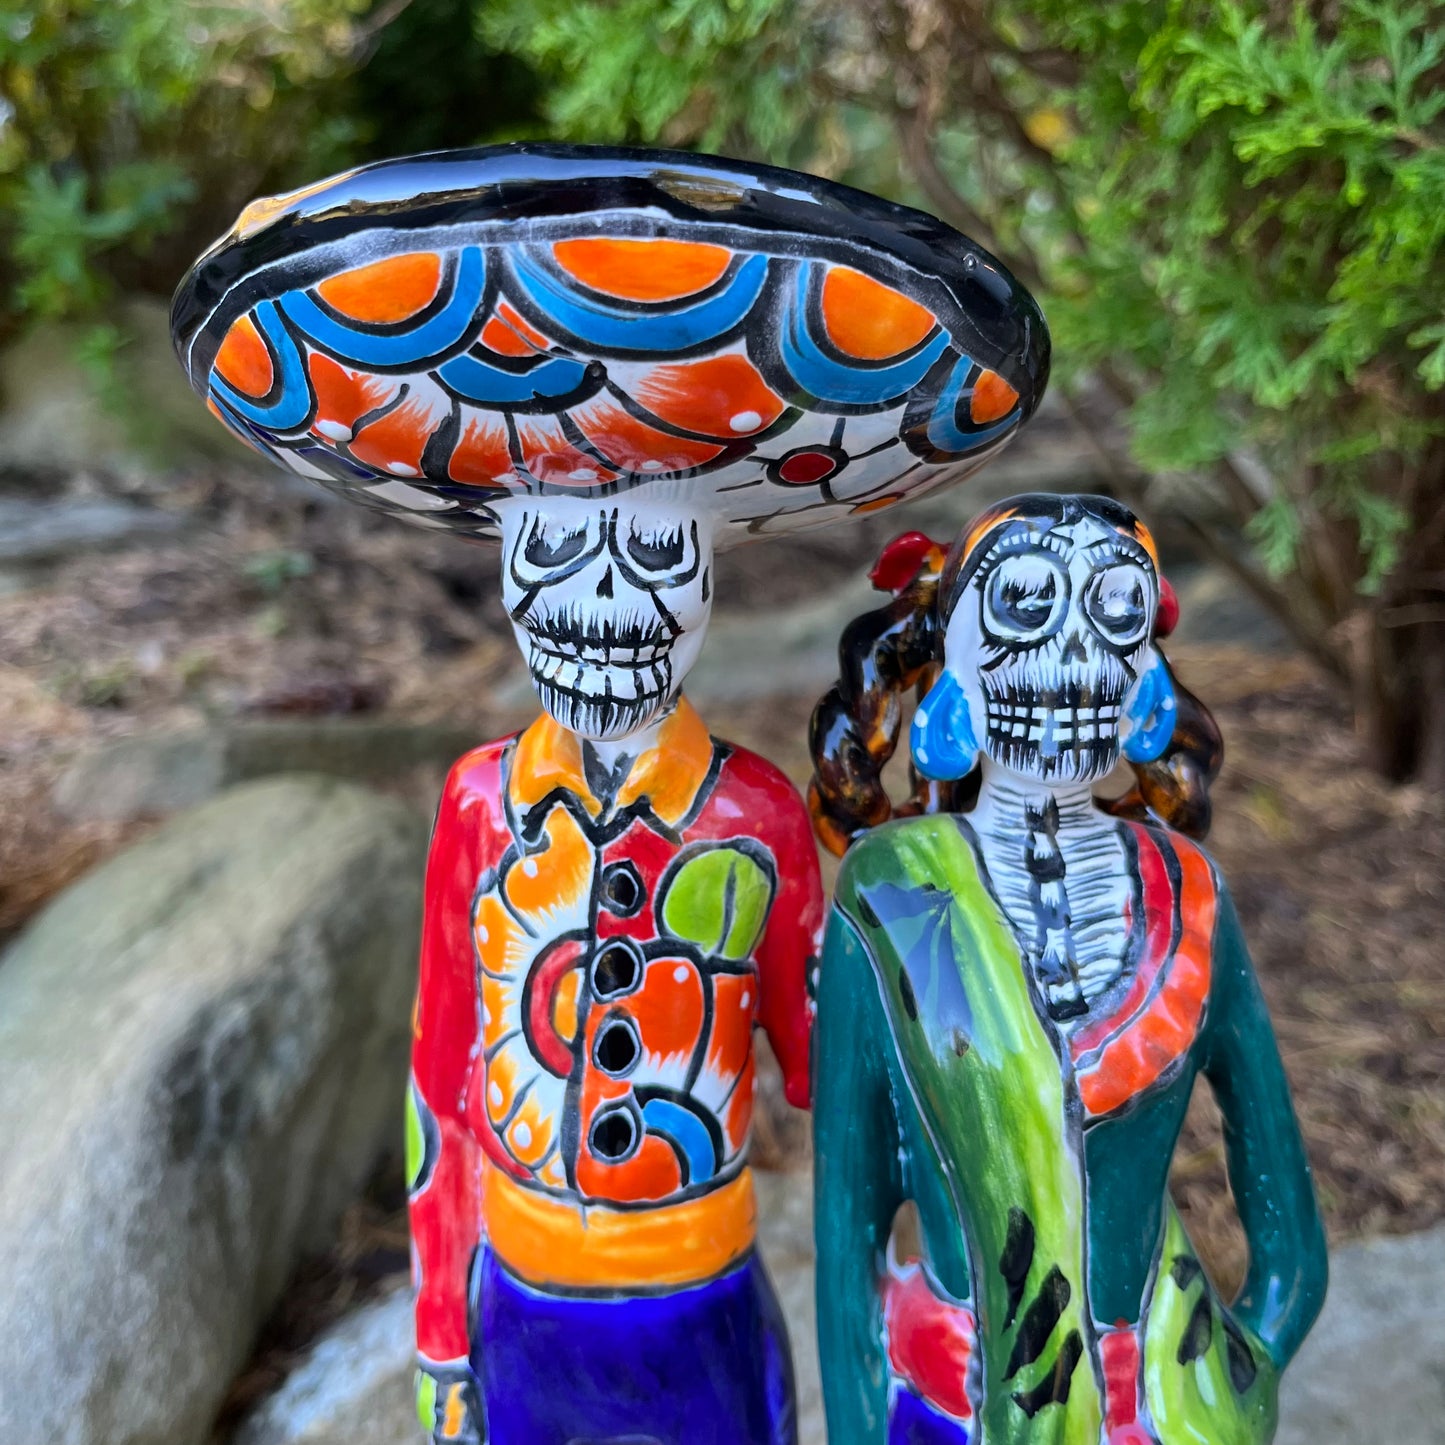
{"points": [[1234, 214]]}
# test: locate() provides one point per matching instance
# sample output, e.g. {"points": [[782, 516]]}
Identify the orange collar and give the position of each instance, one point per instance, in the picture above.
{"points": [[669, 774]]}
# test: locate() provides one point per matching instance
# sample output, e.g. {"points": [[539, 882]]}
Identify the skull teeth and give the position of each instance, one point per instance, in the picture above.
{"points": [[603, 654], [1061, 726]]}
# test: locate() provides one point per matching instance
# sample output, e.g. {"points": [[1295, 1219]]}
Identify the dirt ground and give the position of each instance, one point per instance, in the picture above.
{"points": [[272, 601]]}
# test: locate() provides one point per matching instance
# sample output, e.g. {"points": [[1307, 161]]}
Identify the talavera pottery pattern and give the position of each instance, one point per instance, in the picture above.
{"points": [[614, 362], [1019, 989]]}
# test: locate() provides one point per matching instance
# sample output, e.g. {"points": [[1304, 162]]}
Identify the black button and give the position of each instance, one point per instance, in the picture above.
{"points": [[617, 968], [616, 1047], [622, 890], [614, 1133]]}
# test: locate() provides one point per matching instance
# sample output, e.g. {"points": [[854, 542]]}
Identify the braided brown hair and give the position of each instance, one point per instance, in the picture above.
{"points": [[855, 727]]}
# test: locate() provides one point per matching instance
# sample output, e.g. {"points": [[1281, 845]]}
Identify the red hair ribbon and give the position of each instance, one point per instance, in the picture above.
{"points": [[902, 559], [1168, 616]]}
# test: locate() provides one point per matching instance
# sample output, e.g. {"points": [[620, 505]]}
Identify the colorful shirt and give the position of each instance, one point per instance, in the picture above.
{"points": [[595, 956]]}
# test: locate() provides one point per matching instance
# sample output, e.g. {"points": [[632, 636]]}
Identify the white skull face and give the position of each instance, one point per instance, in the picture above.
{"points": [[1047, 638], [610, 604]]}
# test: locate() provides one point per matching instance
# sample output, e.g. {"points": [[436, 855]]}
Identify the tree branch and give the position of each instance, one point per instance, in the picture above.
{"points": [[1317, 645]]}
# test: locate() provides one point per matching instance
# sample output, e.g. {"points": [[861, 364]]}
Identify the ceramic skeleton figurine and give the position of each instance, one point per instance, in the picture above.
{"points": [[1014, 1005], [614, 362], [635, 895]]}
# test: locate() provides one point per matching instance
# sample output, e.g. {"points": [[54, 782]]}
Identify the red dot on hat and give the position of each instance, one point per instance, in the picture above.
{"points": [[804, 468]]}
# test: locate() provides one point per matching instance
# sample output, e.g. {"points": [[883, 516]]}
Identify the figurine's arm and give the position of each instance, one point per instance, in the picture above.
{"points": [[788, 955], [442, 1155], [858, 1186], [1268, 1170]]}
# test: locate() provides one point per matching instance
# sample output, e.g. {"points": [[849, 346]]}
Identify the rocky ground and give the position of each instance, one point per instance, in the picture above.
{"points": [[167, 635]]}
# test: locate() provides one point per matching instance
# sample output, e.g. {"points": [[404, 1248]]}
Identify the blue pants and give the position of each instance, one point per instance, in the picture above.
{"points": [[912, 1421], [707, 1365]]}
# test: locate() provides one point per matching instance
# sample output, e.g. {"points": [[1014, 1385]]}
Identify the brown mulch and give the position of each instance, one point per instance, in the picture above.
{"points": [[279, 603]]}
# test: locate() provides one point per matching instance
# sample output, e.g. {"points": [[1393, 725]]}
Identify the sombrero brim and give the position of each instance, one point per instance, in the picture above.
{"points": [[431, 335]]}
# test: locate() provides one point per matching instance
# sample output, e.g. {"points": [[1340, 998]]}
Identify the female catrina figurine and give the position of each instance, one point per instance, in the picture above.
{"points": [[615, 364], [1014, 1005]]}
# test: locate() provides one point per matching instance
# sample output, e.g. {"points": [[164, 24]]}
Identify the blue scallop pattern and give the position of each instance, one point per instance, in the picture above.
{"points": [[619, 328], [489, 385], [943, 429], [292, 406], [448, 328], [841, 382]]}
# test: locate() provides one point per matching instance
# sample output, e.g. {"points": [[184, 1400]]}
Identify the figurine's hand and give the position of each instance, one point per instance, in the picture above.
{"points": [[449, 1404]]}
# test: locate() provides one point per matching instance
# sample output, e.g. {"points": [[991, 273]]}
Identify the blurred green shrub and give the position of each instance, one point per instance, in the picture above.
{"points": [[127, 126], [1235, 214]]}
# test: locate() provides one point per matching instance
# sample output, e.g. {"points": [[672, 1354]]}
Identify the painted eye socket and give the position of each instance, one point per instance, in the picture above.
{"points": [[554, 548], [657, 553], [1025, 598], [661, 550], [550, 549], [1116, 601]]}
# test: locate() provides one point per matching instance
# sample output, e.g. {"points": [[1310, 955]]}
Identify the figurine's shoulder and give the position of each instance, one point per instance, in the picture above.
{"points": [[477, 776], [936, 850], [744, 770]]}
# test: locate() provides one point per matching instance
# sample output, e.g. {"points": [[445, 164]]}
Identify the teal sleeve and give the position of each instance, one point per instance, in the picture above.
{"points": [[858, 1187], [1268, 1169]]}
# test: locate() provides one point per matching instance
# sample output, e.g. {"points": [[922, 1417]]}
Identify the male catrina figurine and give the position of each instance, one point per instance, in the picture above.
{"points": [[1015, 1003], [617, 363]]}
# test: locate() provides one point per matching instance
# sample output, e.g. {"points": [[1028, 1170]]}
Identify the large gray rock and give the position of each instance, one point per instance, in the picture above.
{"points": [[203, 1048], [40, 531], [159, 773], [355, 1387], [1373, 1368]]}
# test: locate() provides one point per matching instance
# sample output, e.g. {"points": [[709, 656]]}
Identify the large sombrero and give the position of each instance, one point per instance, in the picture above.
{"points": [[430, 335]]}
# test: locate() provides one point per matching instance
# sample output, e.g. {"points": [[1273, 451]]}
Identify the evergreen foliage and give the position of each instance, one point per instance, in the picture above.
{"points": [[127, 122], [1235, 215]]}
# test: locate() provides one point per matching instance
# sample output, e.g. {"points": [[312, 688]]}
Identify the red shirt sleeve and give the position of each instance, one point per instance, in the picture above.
{"points": [[443, 1153], [792, 942]]}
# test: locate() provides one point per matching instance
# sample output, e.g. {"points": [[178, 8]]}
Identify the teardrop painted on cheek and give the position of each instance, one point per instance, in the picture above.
{"points": [[1149, 713], [942, 739]]}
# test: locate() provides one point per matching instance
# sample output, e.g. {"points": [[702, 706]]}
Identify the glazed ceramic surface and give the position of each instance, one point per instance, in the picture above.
{"points": [[1015, 1003], [615, 363], [431, 335], [598, 946]]}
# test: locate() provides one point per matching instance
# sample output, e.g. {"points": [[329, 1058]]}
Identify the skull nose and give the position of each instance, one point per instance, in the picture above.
{"points": [[604, 587], [1074, 649]]}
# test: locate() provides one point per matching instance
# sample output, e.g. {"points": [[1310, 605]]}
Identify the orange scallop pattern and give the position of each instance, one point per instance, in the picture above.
{"points": [[550, 457], [244, 360], [395, 442], [718, 397], [385, 291], [344, 396], [508, 334], [634, 446], [642, 270], [992, 398], [866, 319], [482, 456]]}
